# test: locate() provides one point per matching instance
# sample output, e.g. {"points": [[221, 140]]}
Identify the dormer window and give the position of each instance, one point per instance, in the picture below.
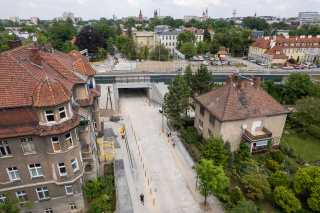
{"points": [[49, 116], [285, 44], [62, 113], [278, 52], [292, 44], [298, 44], [303, 44]]}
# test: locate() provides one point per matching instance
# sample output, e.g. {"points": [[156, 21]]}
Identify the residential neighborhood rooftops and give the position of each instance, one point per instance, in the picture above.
{"points": [[240, 99]]}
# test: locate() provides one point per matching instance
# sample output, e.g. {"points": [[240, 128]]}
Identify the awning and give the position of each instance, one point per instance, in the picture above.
{"points": [[262, 143], [83, 112], [84, 122]]}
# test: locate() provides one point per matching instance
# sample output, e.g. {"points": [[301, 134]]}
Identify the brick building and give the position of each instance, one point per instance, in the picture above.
{"points": [[48, 128]]}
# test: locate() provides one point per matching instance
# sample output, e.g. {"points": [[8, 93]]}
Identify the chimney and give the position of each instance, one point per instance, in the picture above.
{"points": [[47, 46], [251, 77], [34, 56], [239, 83], [258, 83], [14, 44], [228, 80], [234, 77]]}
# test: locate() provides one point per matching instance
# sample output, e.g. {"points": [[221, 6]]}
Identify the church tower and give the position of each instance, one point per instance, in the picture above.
{"points": [[140, 16], [155, 14]]}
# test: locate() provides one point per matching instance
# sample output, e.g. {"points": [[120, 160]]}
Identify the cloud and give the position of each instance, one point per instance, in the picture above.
{"points": [[27, 4]]}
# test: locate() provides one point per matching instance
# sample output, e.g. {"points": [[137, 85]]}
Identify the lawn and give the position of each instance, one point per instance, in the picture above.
{"points": [[309, 147]]}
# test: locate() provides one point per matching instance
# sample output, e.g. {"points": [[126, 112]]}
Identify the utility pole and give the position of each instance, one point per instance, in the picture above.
{"points": [[162, 119], [168, 62], [159, 56]]}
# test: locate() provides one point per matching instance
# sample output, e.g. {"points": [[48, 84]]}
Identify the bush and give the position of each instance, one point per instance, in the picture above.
{"points": [[107, 186], [257, 185], [272, 165], [278, 156], [92, 188], [236, 195], [100, 205], [244, 152], [286, 199], [290, 168], [314, 131], [190, 135], [279, 179]]}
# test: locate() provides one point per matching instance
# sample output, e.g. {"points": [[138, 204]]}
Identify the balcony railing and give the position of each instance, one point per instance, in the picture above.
{"points": [[258, 135]]}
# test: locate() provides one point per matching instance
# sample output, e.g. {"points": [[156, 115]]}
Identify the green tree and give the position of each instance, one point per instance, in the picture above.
{"points": [[106, 31], [297, 86], [13, 206], [236, 195], [67, 47], [206, 36], [286, 199], [202, 47], [245, 206], [102, 53], [257, 186], [141, 55], [201, 81], [214, 46], [29, 28], [110, 46], [188, 49], [119, 30], [177, 99], [92, 189], [186, 36], [307, 111], [306, 179], [146, 51], [314, 200], [278, 156], [275, 90], [4, 38], [214, 151], [129, 32], [272, 165], [255, 23], [120, 41], [163, 52], [212, 179], [279, 178], [227, 147], [100, 205]]}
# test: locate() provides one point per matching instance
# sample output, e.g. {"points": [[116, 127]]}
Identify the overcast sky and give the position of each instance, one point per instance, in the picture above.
{"points": [[94, 9]]}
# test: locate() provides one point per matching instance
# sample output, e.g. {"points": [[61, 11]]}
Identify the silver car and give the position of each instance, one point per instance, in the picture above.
{"points": [[288, 68]]}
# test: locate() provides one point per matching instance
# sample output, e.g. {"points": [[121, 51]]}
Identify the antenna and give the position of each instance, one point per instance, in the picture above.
{"points": [[234, 13]]}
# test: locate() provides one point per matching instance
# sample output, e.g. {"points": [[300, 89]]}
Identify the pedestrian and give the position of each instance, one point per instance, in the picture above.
{"points": [[142, 198], [170, 134], [174, 144]]}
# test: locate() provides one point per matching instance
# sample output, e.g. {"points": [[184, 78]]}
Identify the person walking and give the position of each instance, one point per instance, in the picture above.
{"points": [[142, 198]]}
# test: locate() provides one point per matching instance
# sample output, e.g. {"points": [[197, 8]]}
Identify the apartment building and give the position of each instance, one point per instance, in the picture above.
{"points": [[170, 39], [49, 124], [307, 17], [143, 38]]}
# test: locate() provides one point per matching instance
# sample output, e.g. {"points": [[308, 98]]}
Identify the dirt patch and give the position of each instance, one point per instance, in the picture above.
{"points": [[205, 208]]}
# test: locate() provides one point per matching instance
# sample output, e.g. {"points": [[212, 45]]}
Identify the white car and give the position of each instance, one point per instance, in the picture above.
{"points": [[200, 58], [218, 63], [195, 58], [288, 68], [205, 63]]}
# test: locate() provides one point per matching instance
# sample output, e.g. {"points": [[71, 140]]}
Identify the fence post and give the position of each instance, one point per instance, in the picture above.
{"points": [[281, 79], [164, 79], [101, 80], [222, 79], [144, 79], [115, 79], [121, 79], [127, 80], [157, 79]]}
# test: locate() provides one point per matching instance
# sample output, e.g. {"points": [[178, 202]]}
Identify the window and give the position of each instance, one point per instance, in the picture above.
{"points": [[35, 170], [27, 145], [303, 44], [74, 164], [62, 112], [49, 116], [212, 120], [298, 44], [291, 44], [2, 198], [73, 206], [94, 123], [166, 37], [209, 133], [278, 52], [48, 210], [169, 37], [285, 44], [69, 190], [43, 193], [62, 169], [13, 174], [200, 125], [56, 144], [172, 43], [166, 43], [162, 37], [4, 148], [22, 196], [202, 110], [169, 43], [69, 140]]}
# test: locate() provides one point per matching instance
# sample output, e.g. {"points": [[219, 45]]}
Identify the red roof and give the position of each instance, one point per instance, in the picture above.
{"points": [[222, 52], [81, 63], [273, 51], [231, 103], [262, 43]]}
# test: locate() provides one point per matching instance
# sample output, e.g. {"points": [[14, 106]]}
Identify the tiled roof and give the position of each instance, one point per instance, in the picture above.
{"points": [[96, 91], [81, 64], [297, 39], [87, 101], [222, 52], [262, 43], [273, 52], [50, 92], [230, 103]]}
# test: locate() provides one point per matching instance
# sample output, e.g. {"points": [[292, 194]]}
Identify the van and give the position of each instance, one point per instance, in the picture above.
{"points": [[200, 58]]}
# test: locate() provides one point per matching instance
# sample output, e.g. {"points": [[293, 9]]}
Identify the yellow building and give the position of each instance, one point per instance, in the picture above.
{"points": [[302, 48], [143, 38]]}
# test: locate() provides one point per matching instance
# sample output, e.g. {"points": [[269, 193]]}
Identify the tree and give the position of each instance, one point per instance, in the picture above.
{"points": [[227, 147], [100, 205], [120, 41], [286, 199], [67, 47], [188, 49], [13, 206], [185, 36], [278, 156], [214, 46], [257, 185], [236, 195], [307, 111], [89, 38], [206, 36], [110, 46], [297, 86], [214, 151], [141, 55], [4, 38], [146, 51], [129, 32], [306, 179], [201, 81], [105, 30], [102, 53], [279, 178], [29, 28], [275, 90], [60, 32], [314, 200], [119, 30], [163, 52], [202, 47], [212, 179], [255, 23], [244, 206], [177, 99], [272, 165]]}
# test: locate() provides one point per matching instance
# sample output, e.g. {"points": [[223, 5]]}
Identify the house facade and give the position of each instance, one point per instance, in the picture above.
{"points": [[143, 38], [302, 48], [49, 122], [241, 111]]}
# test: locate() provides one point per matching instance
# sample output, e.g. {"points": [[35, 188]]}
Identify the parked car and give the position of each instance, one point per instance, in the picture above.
{"points": [[205, 63], [190, 59], [299, 67], [218, 63], [264, 64], [318, 65], [288, 68], [200, 58], [312, 66], [258, 62], [216, 59], [211, 59], [245, 58], [221, 59], [230, 63], [223, 63], [195, 58], [253, 60], [213, 63]]}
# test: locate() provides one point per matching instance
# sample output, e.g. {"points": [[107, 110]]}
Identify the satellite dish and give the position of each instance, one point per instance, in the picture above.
{"points": [[34, 38], [244, 126]]}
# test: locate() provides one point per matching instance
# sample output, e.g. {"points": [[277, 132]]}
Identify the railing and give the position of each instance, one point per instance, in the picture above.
{"points": [[267, 134], [128, 147], [158, 92]]}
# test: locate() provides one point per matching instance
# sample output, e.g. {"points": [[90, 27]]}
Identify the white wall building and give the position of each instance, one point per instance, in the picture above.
{"points": [[307, 17]]}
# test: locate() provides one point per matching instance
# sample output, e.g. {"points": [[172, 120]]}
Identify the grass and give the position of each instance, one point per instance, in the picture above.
{"points": [[239, 65], [309, 147]]}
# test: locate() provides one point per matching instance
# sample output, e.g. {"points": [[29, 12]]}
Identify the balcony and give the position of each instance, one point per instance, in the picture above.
{"points": [[259, 134]]}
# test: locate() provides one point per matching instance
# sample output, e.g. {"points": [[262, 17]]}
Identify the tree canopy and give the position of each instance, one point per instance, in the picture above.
{"points": [[286, 199], [188, 49], [164, 53], [89, 38], [185, 36], [214, 151], [257, 185]]}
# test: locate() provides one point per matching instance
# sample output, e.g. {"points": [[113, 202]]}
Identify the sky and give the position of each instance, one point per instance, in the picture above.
{"points": [[95, 9]]}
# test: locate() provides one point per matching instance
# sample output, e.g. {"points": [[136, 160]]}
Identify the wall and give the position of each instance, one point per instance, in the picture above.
{"points": [[80, 91], [232, 131], [275, 124]]}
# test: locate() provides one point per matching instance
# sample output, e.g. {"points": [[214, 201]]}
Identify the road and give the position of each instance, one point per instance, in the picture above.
{"points": [[171, 190]]}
